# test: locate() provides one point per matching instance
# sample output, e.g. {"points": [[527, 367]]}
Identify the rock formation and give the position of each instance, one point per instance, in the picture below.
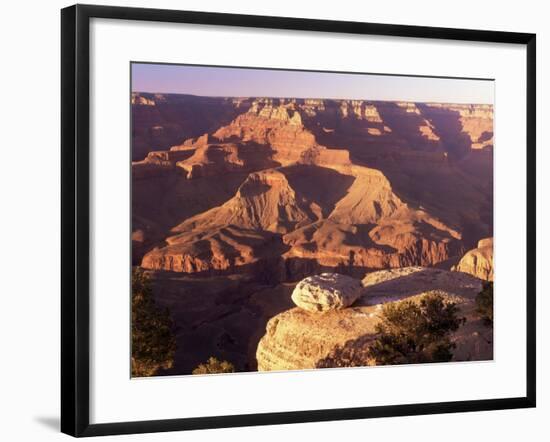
{"points": [[476, 121], [298, 339], [160, 121], [478, 261], [219, 158], [327, 217], [273, 126], [326, 292], [157, 163], [214, 251]]}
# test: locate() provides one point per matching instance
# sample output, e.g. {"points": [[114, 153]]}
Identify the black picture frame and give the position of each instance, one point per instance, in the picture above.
{"points": [[75, 212]]}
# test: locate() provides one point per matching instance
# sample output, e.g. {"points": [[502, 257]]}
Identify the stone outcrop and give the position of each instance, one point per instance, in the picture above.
{"points": [[298, 339], [157, 163], [478, 261], [325, 292], [277, 126], [192, 143], [215, 251], [160, 121], [476, 121], [328, 217], [219, 158]]}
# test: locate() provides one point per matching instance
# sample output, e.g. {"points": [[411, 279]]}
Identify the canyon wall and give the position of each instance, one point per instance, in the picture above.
{"points": [[356, 202]]}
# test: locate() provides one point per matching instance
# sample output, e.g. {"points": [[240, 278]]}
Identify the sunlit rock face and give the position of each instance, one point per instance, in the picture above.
{"points": [[299, 339], [325, 292], [478, 261]]}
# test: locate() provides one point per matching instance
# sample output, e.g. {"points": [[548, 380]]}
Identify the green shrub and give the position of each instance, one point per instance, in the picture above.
{"points": [[416, 332], [153, 343], [484, 303], [214, 365]]}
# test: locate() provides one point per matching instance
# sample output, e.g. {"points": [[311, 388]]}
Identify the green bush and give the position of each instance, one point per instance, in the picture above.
{"points": [[214, 365], [484, 303], [153, 343], [416, 332]]}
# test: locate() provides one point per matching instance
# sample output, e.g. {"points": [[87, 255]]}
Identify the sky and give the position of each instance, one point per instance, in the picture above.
{"points": [[246, 82]]}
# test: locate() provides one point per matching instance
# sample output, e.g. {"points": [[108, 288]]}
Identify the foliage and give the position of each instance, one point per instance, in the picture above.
{"points": [[416, 332], [153, 343], [214, 365], [484, 303]]}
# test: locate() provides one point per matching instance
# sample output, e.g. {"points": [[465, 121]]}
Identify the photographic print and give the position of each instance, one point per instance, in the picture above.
{"points": [[296, 220]]}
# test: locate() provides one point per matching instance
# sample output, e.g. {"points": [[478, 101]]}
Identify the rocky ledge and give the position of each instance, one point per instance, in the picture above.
{"points": [[299, 339], [479, 261]]}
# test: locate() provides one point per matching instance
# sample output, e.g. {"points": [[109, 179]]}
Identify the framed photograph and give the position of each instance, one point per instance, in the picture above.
{"points": [[275, 220]]}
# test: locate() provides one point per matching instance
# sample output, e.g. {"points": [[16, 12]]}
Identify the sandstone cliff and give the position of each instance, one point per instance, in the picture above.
{"points": [[214, 250], [163, 120], [219, 158], [297, 339], [273, 126], [157, 163], [478, 261]]}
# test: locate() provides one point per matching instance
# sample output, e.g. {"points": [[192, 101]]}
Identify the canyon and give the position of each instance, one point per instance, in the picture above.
{"points": [[237, 199]]}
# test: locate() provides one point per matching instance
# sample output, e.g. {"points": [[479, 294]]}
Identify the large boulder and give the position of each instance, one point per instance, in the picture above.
{"points": [[298, 339], [325, 292], [478, 261]]}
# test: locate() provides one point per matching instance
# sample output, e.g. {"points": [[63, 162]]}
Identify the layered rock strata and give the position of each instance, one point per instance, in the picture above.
{"points": [[478, 261], [298, 339]]}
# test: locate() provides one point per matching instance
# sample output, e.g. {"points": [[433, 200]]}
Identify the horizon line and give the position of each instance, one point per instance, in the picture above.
{"points": [[309, 98]]}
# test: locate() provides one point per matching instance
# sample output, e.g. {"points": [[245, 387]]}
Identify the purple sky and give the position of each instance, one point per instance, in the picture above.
{"points": [[241, 82]]}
